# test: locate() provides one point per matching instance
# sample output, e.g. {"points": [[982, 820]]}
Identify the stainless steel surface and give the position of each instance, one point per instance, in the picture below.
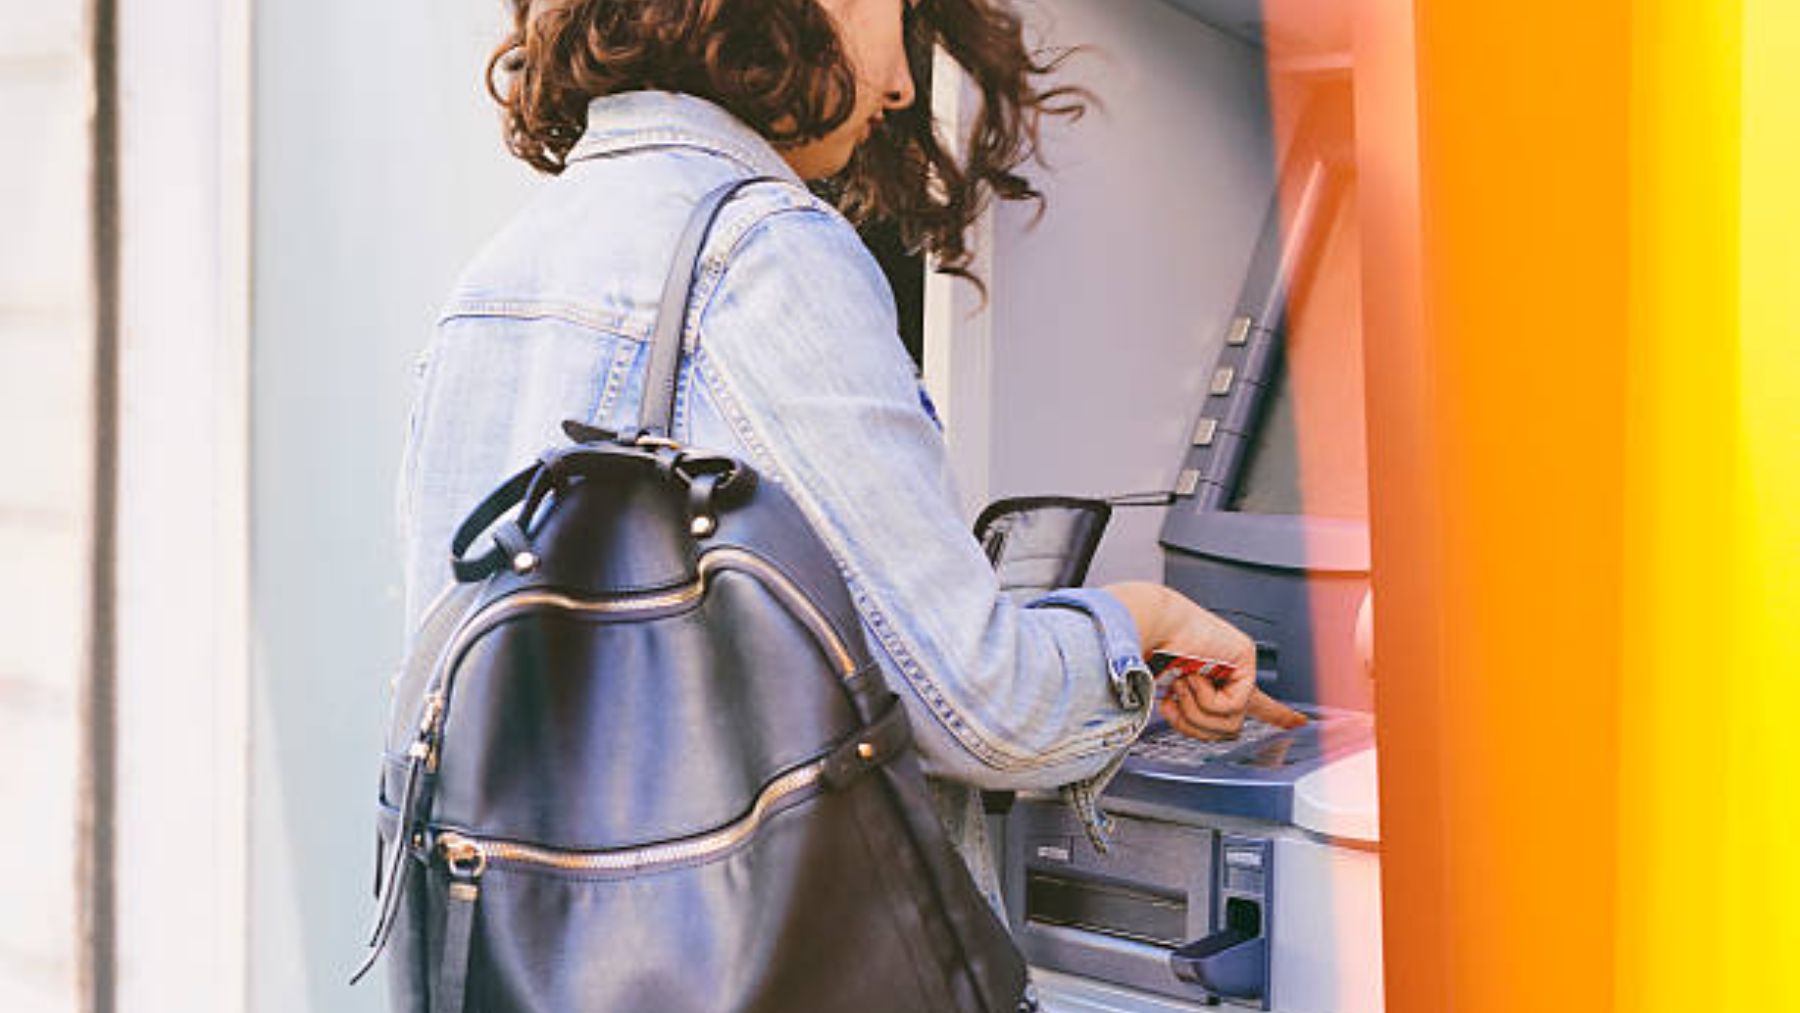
{"points": [[1063, 993]]}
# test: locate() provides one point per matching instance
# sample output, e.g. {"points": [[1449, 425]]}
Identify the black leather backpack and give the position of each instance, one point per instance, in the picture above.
{"points": [[642, 760]]}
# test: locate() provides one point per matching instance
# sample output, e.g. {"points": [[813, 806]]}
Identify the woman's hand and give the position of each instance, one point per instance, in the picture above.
{"points": [[1205, 705]]}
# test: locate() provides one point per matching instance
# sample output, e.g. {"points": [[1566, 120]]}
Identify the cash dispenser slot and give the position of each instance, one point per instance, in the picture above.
{"points": [[1135, 913], [1113, 917]]}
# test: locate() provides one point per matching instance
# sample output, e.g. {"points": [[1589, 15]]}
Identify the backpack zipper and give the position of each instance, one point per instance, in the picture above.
{"points": [[467, 857], [474, 855], [807, 612], [432, 725], [722, 558]]}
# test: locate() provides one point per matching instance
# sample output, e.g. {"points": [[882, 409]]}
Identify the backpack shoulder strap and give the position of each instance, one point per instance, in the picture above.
{"points": [[665, 350], [658, 410]]}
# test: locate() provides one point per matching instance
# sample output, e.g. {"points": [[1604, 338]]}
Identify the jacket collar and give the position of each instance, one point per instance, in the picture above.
{"points": [[635, 120]]}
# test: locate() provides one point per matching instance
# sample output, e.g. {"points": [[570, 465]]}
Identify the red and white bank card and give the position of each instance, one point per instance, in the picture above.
{"points": [[1169, 666]]}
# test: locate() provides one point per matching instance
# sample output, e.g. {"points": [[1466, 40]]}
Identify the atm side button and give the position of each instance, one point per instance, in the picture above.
{"points": [[1239, 332]]}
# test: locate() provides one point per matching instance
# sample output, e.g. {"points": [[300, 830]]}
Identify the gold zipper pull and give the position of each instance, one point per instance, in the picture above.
{"points": [[434, 707], [466, 859], [421, 748]]}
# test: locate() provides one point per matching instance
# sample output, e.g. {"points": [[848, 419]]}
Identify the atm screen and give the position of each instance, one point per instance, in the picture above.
{"points": [[1270, 481], [1306, 454]]}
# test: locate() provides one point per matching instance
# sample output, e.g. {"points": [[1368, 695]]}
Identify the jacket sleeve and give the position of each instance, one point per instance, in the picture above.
{"points": [[799, 347]]}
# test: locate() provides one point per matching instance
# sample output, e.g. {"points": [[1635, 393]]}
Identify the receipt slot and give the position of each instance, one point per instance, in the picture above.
{"points": [[1233, 962]]}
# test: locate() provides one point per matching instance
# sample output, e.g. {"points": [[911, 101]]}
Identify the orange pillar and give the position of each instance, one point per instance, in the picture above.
{"points": [[1495, 347], [1402, 455]]}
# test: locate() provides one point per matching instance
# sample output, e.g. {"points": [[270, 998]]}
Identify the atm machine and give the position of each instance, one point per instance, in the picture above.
{"points": [[1240, 874]]}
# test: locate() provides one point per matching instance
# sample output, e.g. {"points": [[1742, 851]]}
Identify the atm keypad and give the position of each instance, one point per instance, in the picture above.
{"points": [[1166, 745]]}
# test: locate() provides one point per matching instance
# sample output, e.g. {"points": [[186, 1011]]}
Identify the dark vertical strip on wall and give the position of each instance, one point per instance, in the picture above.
{"points": [[97, 890]]}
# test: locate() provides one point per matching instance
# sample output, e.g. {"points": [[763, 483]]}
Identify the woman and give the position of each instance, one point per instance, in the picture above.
{"points": [[639, 107]]}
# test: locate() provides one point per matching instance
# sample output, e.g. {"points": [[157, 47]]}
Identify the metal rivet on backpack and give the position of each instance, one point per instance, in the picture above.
{"points": [[865, 750], [703, 526], [525, 562]]}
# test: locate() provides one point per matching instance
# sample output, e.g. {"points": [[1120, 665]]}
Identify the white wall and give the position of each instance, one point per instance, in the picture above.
{"points": [[181, 557], [378, 171], [1104, 318], [46, 464]]}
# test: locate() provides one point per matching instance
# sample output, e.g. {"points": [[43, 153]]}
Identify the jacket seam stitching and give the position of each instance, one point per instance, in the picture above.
{"points": [[624, 357], [524, 309]]}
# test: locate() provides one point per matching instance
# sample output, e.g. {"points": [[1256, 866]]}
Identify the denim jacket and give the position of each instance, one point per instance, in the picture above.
{"points": [[794, 364]]}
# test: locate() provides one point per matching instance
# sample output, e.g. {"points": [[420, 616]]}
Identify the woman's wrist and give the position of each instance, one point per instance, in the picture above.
{"points": [[1150, 608]]}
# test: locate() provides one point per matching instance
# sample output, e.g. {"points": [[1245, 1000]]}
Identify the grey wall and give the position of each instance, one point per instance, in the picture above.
{"points": [[1108, 314], [378, 170]]}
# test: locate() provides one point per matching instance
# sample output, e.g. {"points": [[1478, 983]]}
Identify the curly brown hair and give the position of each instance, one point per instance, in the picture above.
{"points": [[778, 66]]}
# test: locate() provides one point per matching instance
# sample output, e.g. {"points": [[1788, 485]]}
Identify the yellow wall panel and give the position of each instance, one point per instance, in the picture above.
{"points": [[1681, 487]]}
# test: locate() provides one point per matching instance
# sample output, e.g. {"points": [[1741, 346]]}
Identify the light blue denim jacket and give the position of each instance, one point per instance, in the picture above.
{"points": [[795, 365]]}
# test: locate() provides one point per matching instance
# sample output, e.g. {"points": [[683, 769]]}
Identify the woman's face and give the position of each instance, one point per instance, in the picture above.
{"points": [[873, 39]]}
